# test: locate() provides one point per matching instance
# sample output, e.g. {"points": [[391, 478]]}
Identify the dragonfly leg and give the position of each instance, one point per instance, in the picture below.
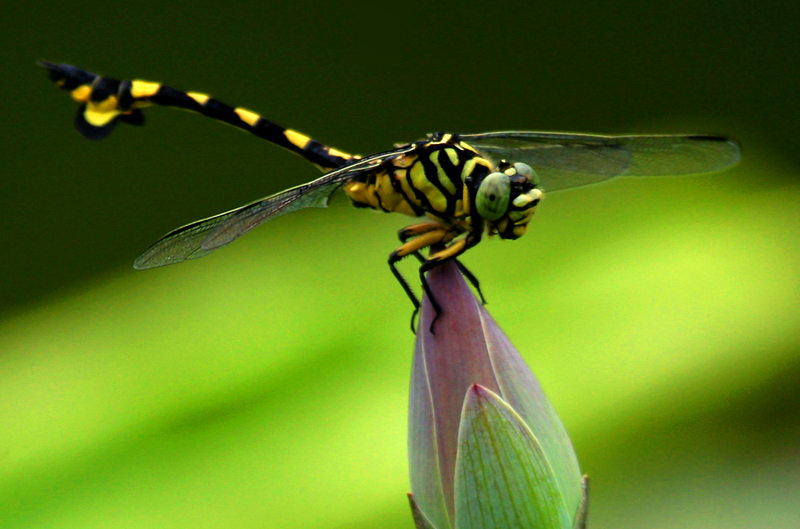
{"points": [[424, 239], [465, 272], [442, 256], [471, 278], [422, 228]]}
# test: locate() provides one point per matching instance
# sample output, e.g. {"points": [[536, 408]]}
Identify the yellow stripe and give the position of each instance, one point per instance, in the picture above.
{"points": [[453, 155], [298, 140], [484, 162], [200, 98], [106, 105], [409, 192], [434, 157], [469, 166], [466, 205], [435, 197], [340, 154], [251, 118], [82, 93], [522, 200], [467, 147], [144, 89], [459, 210], [99, 118]]}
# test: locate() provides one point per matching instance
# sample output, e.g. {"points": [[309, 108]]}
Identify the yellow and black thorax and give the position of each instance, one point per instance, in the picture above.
{"points": [[431, 179]]}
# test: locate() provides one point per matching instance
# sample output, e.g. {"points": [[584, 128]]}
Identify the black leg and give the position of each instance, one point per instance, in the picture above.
{"points": [[416, 230], [465, 271], [431, 235], [440, 256], [393, 259], [437, 309], [472, 279], [414, 317]]}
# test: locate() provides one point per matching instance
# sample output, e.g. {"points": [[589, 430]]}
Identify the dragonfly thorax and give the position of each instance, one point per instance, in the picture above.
{"points": [[426, 180]]}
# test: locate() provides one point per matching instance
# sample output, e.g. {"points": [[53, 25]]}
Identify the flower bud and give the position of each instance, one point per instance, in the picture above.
{"points": [[486, 448]]}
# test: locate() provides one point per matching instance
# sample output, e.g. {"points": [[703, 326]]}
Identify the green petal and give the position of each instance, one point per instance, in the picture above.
{"points": [[520, 389], [503, 478]]}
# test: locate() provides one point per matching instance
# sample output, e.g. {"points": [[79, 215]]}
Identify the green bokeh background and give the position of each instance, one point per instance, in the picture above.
{"points": [[266, 386]]}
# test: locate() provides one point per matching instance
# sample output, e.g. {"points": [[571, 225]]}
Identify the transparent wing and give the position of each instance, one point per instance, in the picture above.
{"points": [[563, 161], [204, 236]]}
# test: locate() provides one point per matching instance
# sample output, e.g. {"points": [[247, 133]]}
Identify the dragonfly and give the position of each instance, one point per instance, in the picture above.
{"points": [[461, 186]]}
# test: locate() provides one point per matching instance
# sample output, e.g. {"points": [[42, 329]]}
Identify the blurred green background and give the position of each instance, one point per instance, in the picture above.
{"points": [[266, 385]]}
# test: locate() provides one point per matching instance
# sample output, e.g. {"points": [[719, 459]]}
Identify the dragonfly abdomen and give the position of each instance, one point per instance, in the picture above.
{"points": [[105, 102]]}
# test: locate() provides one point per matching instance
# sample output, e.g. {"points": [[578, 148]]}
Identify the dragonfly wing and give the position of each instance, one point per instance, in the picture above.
{"points": [[313, 194], [181, 244], [204, 236], [563, 161]]}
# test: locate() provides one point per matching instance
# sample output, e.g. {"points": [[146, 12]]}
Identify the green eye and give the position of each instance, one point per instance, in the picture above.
{"points": [[525, 170], [493, 196]]}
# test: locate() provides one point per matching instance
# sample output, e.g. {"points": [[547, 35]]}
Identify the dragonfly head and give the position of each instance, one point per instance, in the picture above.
{"points": [[507, 199]]}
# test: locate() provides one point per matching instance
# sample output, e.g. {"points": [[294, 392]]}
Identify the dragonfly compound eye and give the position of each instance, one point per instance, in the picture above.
{"points": [[493, 196], [525, 170]]}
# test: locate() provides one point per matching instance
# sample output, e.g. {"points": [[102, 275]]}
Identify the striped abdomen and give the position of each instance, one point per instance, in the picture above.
{"points": [[106, 101]]}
